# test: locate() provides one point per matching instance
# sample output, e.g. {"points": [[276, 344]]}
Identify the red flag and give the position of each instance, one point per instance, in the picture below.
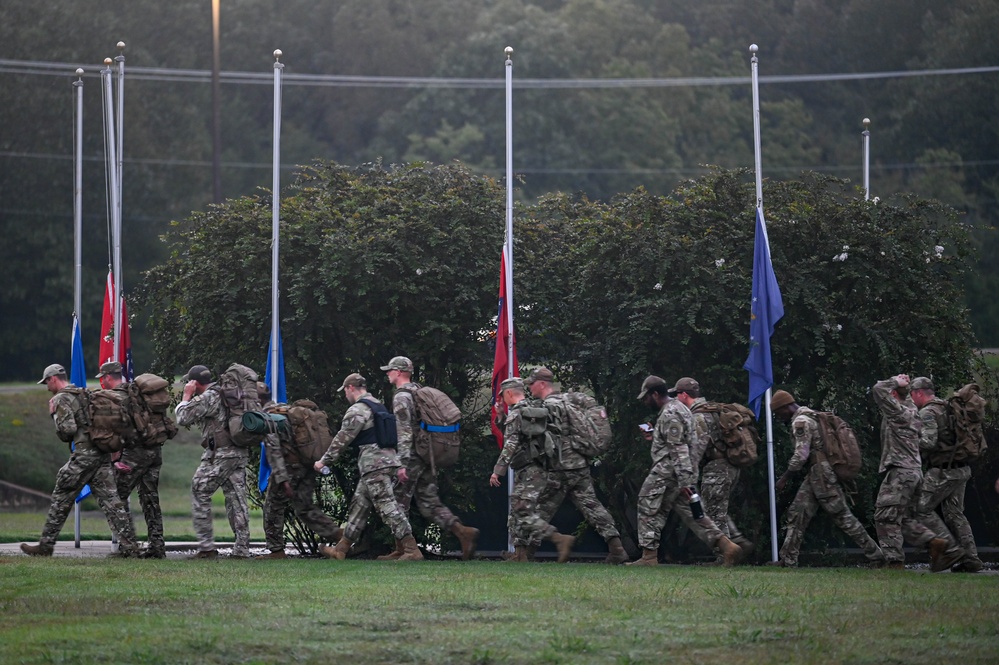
{"points": [[107, 333], [504, 342]]}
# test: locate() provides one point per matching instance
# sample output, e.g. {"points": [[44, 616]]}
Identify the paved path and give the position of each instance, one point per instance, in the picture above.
{"points": [[104, 548]]}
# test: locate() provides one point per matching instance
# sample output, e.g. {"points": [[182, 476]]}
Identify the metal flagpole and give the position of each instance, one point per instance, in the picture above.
{"points": [[119, 141], [508, 248], [112, 163], [867, 158], [759, 205], [275, 220], [77, 234]]}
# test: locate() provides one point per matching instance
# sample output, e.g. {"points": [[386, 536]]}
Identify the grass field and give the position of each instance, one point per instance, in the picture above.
{"points": [[301, 610]]}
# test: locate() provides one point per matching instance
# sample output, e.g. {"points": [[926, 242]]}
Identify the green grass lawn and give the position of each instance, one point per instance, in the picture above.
{"points": [[302, 610]]}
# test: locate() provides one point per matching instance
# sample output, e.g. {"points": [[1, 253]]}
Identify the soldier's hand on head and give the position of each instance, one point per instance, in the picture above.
{"points": [[189, 389], [902, 380], [494, 480]]}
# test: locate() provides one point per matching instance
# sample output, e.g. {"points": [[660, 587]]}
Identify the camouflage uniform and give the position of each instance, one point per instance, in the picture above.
{"points": [[526, 523], [671, 470], [378, 467], [718, 477], [223, 465], [570, 476], [286, 467], [821, 488], [895, 508], [145, 465], [422, 481], [86, 465], [944, 484]]}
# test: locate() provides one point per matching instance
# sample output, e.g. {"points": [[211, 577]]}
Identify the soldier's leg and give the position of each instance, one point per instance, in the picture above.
{"points": [[70, 479], [551, 498], [126, 482], [716, 488], [306, 509], [149, 499], [652, 511], [358, 512], [275, 505], [953, 511], [888, 517], [835, 504], [799, 515], [103, 487], [404, 491], [584, 496], [428, 500], [531, 480], [704, 528], [914, 531], [380, 491], [208, 478], [237, 506]]}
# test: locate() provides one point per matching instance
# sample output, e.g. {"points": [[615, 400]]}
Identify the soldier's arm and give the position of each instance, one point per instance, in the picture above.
{"points": [[679, 452], [200, 407], [702, 439], [403, 408], [929, 436], [353, 422], [889, 406], [64, 418], [511, 442], [279, 470], [802, 431]]}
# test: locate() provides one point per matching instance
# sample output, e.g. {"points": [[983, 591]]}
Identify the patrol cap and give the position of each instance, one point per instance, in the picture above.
{"points": [[355, 380], [50, 371], [401, 363], [685, 385], [539, 374], [113, 367], [781, 398], [199, 373], [921, 383], [513, 383], [650, 382]]}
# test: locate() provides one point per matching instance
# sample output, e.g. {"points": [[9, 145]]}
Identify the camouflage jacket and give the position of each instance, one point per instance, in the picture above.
{"points": [[568, 459], [404, 408], [371, 458], [70, 417], [806, 437], [934, 418], [900, 427], [708, 433], [511, 437], [674, 435]]}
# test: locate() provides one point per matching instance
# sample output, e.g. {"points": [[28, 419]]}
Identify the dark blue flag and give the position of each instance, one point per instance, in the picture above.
{"points": [[767, 309], [78, 377], [274, 380]]}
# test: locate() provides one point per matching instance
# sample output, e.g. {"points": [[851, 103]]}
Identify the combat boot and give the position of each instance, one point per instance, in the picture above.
{"points": [[276, 554], [747, 545], [530, 551], [394, 554], [615, 552], [339, 552], [968, 565], [410, 552], [37, 550], [731, 553], [467, 536], [563, 544], [152, 553], [205, 554], [940, 557], [649, 558]]}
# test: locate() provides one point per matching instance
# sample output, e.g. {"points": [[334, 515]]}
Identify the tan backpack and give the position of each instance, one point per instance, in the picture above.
{"points": [[150, 400], [310, 431], [238, 386], [738, 432], [839, 444]]}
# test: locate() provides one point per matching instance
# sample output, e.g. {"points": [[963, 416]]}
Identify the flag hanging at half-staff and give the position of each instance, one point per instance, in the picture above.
{"points": [[78, 377], [275, 381], [107, 353], [766, 310], [505, 343]]}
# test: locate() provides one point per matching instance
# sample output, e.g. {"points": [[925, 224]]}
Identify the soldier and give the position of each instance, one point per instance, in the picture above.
{"points": [[416, 478], [292, 482], [86, 465], [570, 474], [897, 502], [945, 480], [378, 467], [138, 467], [820, 488], [672, 481], [529, 479], [719, 476], [223, 465]]}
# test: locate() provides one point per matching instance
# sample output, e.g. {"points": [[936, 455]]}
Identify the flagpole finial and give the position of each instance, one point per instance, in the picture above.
{"points": [[753, 48], [277, 54], [121, 46], [79, 72], [508, 51], [867, 123], [108, 61]]}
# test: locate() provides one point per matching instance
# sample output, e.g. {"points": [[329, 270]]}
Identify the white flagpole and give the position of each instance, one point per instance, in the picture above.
{"points": [[759, 205], [77, 233], [119, 147], [275, 221], [867, 158], [508, 249]]}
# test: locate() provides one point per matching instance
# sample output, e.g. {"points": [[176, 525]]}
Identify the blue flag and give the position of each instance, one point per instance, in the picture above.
{"points": [[274, 380], [78, 377], [766, 310]]}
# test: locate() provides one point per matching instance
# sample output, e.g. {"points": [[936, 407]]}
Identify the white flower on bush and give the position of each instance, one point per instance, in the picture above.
{"points": [[658, 286], [840, 257], [419, 271], [939, 250], [719, 263], [876, 200]]}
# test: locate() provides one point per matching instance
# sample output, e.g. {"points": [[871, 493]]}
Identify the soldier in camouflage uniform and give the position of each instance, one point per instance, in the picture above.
{"points": [[528, 481], [897, 502], [416, 478], [292, 483], [570, 474], [945, 480], [820, 489], [86, 465], [719, 476], [672, 481], [378, 467], [223, 465], [137, 466]]}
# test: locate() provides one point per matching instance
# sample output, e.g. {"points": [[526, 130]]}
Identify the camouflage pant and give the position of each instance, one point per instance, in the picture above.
{"points": [[93, 467], [717, 481], [577, 484], [659, 495], [526, 522], [145, 474], [225, 469], [945, 488], [895, 513], [422, 485], [821, 489], [374, 490], [303, 485]]}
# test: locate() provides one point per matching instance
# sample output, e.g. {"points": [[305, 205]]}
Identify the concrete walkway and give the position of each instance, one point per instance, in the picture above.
{"points": [[104, 548]]}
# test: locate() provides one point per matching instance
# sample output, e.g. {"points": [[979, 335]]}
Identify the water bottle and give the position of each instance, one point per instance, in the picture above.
{"points": [[325, 471], [696, 510]]}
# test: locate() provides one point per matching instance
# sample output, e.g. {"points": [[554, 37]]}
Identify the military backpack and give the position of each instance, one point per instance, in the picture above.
{"points": [[538, 434], [384, 432], [149, 398], [964, 439], [739, 437], [310, 435], [438, 439], [238, 386], [110, 425], [588, 428], [839, 444]]}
